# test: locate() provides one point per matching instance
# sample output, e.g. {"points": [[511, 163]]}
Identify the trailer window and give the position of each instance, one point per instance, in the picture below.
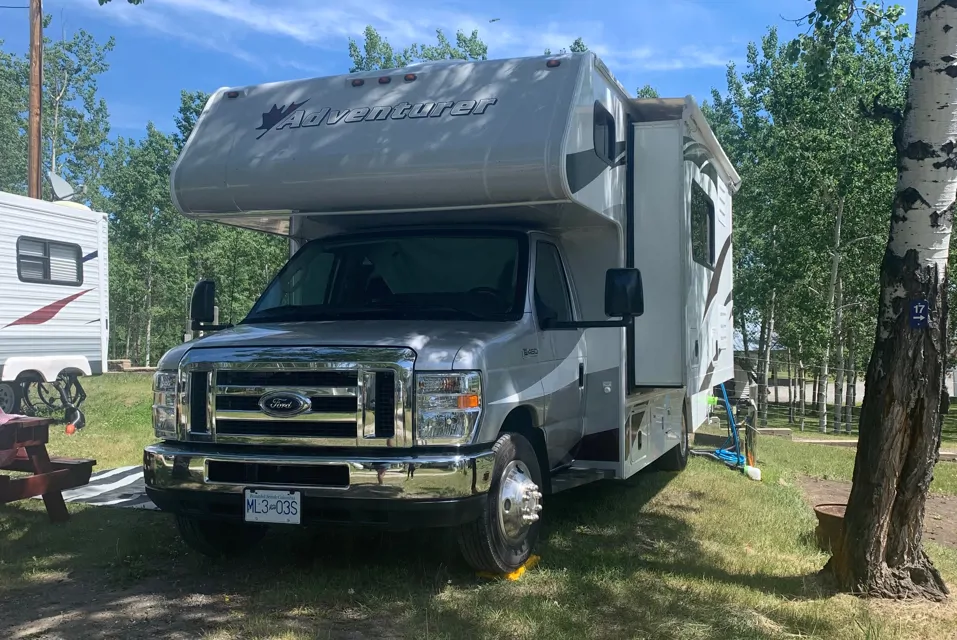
{"points": [[604, 133], [49, 262], [552, 301], [702, 226]]}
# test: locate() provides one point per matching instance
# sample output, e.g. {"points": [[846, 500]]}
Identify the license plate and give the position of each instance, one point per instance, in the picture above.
{"points": [[282, 507]]}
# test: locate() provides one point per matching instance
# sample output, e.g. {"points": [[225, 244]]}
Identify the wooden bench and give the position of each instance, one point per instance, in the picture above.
{"points": [[50, 476]]}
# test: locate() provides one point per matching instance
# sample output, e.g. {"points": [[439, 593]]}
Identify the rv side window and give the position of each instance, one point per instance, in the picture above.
{"points": [[702, 226], [551, 287], [604, 134], [49, 262]]}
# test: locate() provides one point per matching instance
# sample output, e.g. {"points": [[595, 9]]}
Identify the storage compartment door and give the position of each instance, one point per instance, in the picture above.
{"points": [[657, 249]]}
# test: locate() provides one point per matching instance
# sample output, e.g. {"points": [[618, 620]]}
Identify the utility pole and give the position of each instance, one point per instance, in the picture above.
{"points": [[34, 181]]}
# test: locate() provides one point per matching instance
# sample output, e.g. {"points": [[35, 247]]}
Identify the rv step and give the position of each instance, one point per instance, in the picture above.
{"points": [[577, 476]]}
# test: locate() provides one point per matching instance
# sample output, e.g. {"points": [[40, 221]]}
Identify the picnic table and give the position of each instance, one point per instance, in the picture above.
{"points": [[28, 437]]}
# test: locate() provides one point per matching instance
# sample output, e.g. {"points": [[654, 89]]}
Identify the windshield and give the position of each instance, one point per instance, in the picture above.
{"points": [[417, 276]]}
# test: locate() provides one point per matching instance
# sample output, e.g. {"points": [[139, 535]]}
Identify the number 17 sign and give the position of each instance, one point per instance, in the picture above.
{"points": [[919, 314]]}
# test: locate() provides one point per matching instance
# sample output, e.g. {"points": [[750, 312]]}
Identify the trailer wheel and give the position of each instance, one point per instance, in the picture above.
{"points": [[9, 397], [502, 538], [676, 459], [218, 538]]}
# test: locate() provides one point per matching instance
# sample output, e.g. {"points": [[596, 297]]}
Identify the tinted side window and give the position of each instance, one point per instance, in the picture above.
{"points": [[604, 134], [702, 226], [551, 288], [48, 262]]}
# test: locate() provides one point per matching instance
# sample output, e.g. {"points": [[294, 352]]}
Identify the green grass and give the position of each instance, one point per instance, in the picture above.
{"points": [[778, 418], [119, 422], [702, 554], [836, 463]]}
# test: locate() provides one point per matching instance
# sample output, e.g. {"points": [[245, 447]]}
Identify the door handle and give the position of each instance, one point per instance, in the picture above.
{"points": [[581, 375]]}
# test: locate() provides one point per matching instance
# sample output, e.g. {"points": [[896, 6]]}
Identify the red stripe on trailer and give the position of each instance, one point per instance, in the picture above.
{"points": [[47, 313]]}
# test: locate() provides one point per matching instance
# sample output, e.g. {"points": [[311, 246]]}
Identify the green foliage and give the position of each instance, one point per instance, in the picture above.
{"points": [[13, 141], [648, 91], [75, 124], [157, 254], [805, 149], [75, 120], [377, 53], [578, 46], [833, 20]]}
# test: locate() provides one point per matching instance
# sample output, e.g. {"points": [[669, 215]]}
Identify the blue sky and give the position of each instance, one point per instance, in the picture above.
{"points": [[679, 46]]}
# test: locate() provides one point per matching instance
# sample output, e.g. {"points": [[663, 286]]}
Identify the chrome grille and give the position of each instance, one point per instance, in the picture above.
{"points": [[359, 401]]}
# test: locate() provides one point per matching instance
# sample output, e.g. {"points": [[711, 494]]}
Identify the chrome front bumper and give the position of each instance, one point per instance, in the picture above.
{"points": [[186, 468]]}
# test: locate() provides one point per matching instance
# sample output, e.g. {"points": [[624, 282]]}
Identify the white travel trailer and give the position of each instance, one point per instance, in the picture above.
{"points": [[438, 349], [54, 315]]}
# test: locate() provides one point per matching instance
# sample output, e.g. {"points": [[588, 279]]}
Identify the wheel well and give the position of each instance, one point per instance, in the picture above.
{"points": [[521, 420], [30, 376]]}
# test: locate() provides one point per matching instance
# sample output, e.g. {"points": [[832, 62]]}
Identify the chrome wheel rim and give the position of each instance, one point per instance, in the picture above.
{"points": [[519, 502]]}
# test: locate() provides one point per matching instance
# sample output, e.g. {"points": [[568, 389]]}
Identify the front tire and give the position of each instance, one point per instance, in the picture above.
{"points": [[503, 537], [218, 539]]}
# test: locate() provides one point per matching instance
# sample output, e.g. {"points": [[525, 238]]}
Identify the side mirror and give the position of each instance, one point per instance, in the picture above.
{"points": [[201, 307], [624, 295]]}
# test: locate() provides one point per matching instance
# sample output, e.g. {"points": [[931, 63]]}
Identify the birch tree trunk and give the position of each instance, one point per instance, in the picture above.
{"points": [[766, 364], [774, 382], [821, 396], [149, 315], [838, 356], [882, 552], [791, 390], [851, 386], [802, 385]]}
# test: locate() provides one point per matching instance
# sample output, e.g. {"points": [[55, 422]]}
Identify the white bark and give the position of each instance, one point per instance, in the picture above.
{"points": [[821, 397], [766, 364], [838, 355], [927, 180]]}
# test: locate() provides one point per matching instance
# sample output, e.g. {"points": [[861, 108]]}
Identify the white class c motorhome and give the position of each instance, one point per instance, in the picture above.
{"points": [[54, 301], [507, 278]]}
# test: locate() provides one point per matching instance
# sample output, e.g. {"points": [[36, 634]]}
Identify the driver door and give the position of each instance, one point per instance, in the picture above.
{"points": [[563, 355]]}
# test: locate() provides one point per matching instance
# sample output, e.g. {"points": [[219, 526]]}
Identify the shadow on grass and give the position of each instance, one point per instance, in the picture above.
{"points": [[611, 567]]}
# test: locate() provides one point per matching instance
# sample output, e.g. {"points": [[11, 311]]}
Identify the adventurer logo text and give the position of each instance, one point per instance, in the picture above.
{"points": [[293, 117]]}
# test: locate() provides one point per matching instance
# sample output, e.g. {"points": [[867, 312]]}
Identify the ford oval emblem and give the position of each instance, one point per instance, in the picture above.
{"points": [[284, 404]]}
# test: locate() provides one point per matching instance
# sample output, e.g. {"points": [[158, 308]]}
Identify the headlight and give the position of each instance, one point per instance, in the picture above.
{"points": [[447, 407], [164, 404]]}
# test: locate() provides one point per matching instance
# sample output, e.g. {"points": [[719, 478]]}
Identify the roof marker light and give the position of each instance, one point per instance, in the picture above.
{"points": [[409, 77], [551, 64], [232, 94], [358, 82], [385, 80]]}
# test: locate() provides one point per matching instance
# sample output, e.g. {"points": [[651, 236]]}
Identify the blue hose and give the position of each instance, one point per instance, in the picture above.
{"points": [[730, 453]]}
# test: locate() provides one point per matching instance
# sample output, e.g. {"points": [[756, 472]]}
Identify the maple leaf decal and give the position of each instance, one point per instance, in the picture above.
{"points": [[276, 115]]}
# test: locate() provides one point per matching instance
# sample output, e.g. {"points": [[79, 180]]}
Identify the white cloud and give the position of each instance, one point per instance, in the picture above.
{"points": [[253, 30]]}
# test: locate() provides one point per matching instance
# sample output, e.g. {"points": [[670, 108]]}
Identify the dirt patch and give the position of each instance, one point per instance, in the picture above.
{"points": [[940, 519]]}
